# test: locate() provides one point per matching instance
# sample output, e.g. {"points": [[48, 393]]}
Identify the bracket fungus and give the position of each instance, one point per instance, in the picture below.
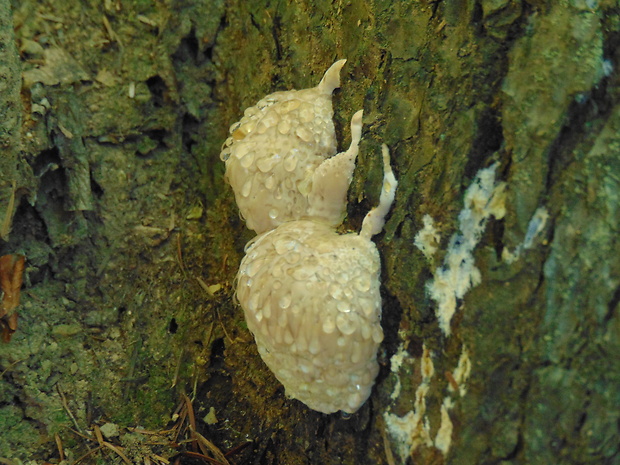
{"points": [[310, 295], [280, 157]]}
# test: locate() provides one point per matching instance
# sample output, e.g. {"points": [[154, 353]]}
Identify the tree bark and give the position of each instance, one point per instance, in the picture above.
{"points": [[128, 221]]}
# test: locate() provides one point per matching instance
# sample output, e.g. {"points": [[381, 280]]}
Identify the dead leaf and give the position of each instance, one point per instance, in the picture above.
{"points": [[11, 277]]}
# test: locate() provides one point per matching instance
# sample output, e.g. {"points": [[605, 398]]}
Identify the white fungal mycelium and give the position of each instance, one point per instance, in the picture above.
{"points": [[310, 295], [311, 299], [280, 157], [484, 198]]}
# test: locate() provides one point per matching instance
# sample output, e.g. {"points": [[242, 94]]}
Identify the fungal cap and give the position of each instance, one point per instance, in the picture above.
{"points": [[311, 298], [275, 149]]}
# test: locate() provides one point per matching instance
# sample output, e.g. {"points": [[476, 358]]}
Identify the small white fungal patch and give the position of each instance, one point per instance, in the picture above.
{"points": [[461, 372], [444, 433], [427, 239], [396, 362], [413, 430], [483, 199]]}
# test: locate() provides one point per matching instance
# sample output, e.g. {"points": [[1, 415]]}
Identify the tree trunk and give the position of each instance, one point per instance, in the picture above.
{"points": [[132, 237]]}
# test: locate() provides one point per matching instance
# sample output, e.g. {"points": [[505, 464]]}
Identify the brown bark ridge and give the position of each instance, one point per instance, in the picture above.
{"points": [[504, 111]]}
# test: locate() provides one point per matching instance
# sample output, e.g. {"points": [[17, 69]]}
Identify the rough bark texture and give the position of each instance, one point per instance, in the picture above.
{"points": [[122, 211], [10, 113]]}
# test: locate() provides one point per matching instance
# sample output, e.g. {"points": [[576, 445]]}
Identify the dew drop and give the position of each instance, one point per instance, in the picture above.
{"points": [[270, 182], [335, 291], [290, 162], [306, 114], [366, 332], [377, 334], [284, 127], [273, 213], [288, 106], [253, 303], [301, 274], [244, 130], [345, 324], [261, 127], [314, 347], [247, 188], [247, 160], [292, 258], [305, 186], [304, 133], [329, 325], [253, 268], [250, 111], [267, 310], [241, 150], [233, 127], [343, 307], [362, 283], [265, 164], [369, 308], [285, 301], [283, 246]]}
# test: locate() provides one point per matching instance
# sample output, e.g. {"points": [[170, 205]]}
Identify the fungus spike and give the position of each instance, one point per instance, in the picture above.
{"points": [[332, 178], [375, 219], [331, 78]]}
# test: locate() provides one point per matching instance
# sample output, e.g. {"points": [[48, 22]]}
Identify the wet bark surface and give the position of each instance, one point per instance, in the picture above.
{"points": [[116, 197]]}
